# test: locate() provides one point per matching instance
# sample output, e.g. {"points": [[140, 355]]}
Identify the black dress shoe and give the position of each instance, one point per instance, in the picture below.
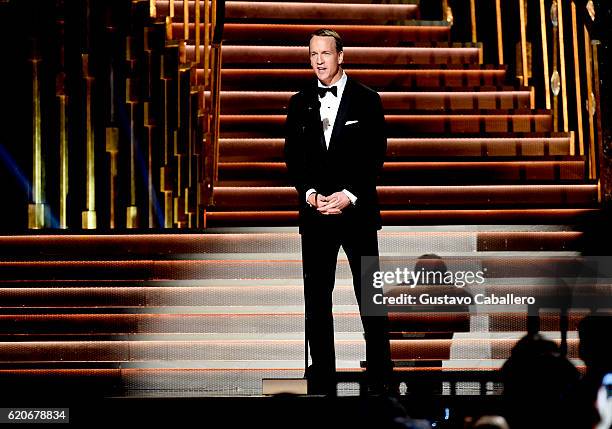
{"points": [[319, 384]]}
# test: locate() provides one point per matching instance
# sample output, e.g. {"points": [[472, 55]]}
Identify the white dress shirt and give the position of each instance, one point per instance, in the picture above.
{"points": [[328, 111], [329, 106]]}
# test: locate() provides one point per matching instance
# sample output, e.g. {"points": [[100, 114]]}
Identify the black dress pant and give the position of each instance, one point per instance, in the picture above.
{"points": [[320, 247]]}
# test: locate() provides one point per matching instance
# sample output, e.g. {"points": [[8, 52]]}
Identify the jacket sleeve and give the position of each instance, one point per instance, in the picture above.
{"points": [[295, 153]]}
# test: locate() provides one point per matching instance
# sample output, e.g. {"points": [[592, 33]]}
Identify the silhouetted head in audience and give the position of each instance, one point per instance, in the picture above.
{"points": [[596, 351], [595, 345], [491, 422], [537, 382]]}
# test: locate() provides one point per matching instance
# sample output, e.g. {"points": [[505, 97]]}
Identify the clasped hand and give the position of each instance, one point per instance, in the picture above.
{"points": [[331, 204]]}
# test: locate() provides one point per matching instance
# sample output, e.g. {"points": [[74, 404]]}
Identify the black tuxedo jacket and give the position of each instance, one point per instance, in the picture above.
{"points": [[353, 161]]}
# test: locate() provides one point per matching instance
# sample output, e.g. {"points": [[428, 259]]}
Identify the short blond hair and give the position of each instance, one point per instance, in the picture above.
{"points": [[327, 32]]}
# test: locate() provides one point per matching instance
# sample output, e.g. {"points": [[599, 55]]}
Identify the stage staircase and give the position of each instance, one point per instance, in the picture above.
{"points": [[472, 171]]}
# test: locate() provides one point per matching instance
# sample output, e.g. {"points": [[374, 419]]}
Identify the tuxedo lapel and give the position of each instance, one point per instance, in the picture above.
{"points": [[342, 112], [314, 112]]}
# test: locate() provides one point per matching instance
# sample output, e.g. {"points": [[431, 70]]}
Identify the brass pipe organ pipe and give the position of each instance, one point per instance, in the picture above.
{"points": [[597, 108], [62, 104], [591, 101], [523, 23], [37, 210], [500, 39], [562, 66], [555, 79], [545, 53], [577, 75], [197, 34], [131, 100], [473, 20], [88, 216]]}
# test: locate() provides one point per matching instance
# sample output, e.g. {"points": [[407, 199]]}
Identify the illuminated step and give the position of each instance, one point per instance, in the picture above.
{"points": [[468, 122], [395, 173], [405, 324], [426, 197], [211, 245], [384, 57], [161, 351], [352, 35], [248, 102], [545, 145], [497, 266], [466, 77], [261, 218], [59, 297], [298, 11]]}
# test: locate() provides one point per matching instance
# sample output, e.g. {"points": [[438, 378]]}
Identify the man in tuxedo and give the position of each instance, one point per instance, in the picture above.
{"points": [[334, 149]]}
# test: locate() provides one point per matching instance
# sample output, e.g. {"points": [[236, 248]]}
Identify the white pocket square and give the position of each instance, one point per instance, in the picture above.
{"points": [[350, 122]]}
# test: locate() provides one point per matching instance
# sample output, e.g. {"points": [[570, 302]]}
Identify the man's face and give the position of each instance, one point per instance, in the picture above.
{"points": [[324, 59]]}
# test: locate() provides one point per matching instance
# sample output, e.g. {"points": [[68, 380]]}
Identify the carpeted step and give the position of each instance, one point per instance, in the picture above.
{"points": [[347, 350], [251, 102], [416, 173], [383, 57], [211, 245], [264, 324], [260, 218], [147, 270], [261, 269], [303, 11], [141, 386], [528, 146], [441, 77], [404, 197], [468, 122], [160, 351], [352, 35], [53, 296], [410, 324]]}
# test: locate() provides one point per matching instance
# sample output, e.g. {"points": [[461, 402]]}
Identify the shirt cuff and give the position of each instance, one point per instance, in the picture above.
{"points": [[308, 194], [351, 197]]}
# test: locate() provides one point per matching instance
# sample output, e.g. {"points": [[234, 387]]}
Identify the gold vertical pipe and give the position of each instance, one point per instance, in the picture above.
{"points": [[562, 65], [88, 216], [555, 62], [444, 9], [171, 9], [500, 38], [523, 19], [197, 34], [112, 148], [207, 31], [132, 154], [149, 126], [62, 99], [217, 108], [577, 74], [545, 53], [37, 207], [595, 44], [63, 142], [473, 18], [37, 185], [589, 83], [152, 8], [186, 19], [131, 99], [132, 212]]}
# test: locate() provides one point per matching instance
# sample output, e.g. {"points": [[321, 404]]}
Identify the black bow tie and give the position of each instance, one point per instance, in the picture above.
{"points": [[323, 91]]}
